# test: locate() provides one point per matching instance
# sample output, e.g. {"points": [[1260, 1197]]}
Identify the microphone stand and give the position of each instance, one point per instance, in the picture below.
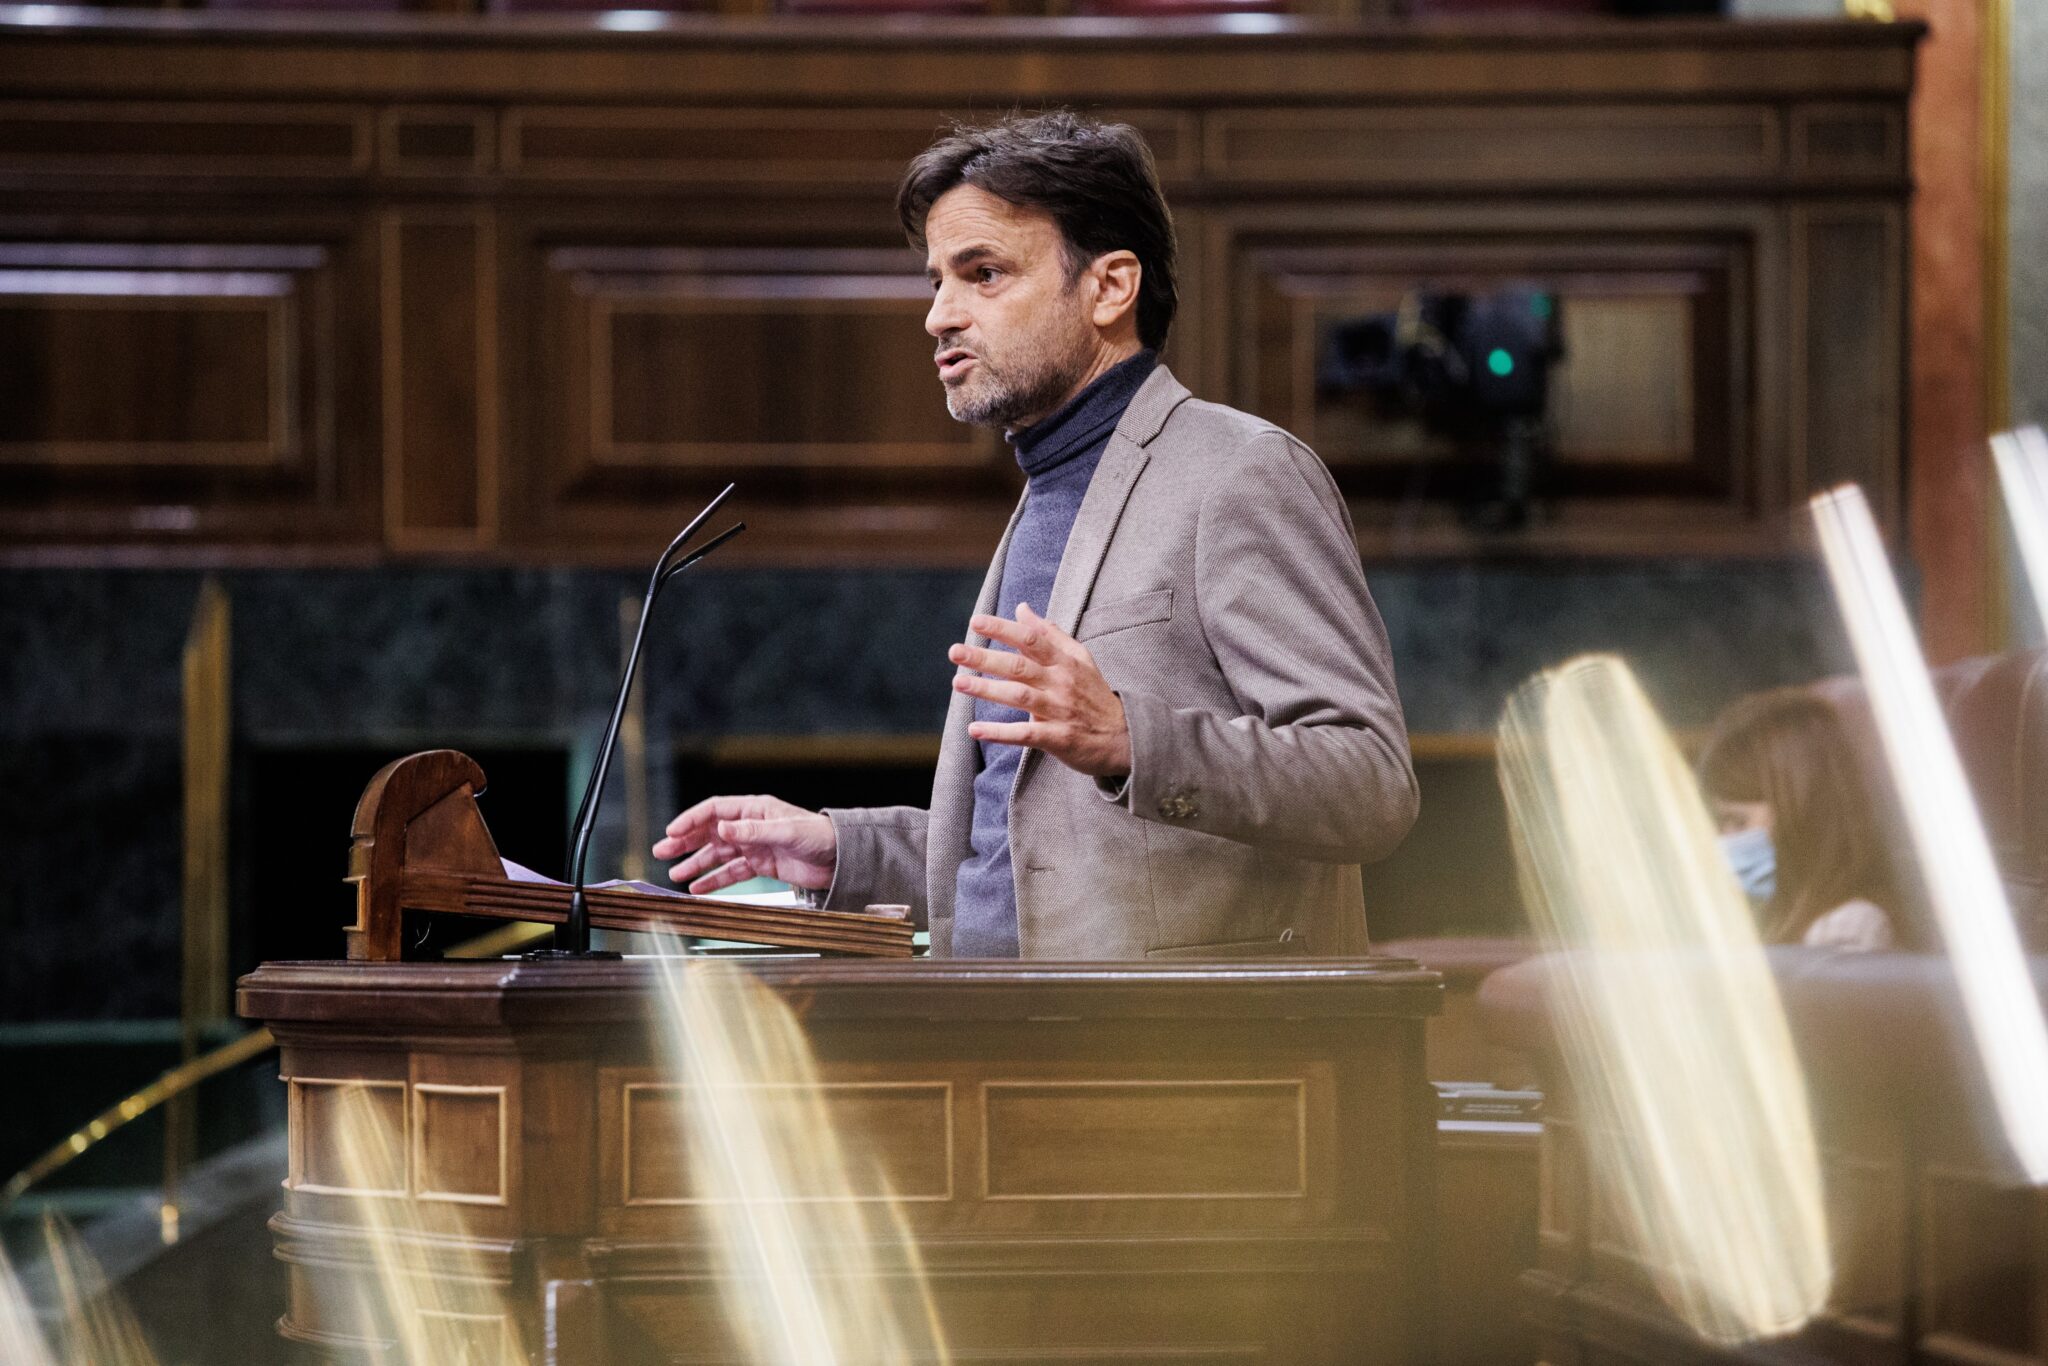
{"points": [[572, 940]]}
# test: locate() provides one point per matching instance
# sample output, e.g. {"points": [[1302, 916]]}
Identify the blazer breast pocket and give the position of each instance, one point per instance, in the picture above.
{"points": [[1123, 614]]}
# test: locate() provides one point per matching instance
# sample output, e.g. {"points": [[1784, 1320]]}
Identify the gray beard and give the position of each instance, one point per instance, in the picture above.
{"points": [[1002, 402]]}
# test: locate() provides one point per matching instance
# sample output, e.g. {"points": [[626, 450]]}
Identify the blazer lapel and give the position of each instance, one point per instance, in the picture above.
{"points": [[1102, 507], [1109, 492]]}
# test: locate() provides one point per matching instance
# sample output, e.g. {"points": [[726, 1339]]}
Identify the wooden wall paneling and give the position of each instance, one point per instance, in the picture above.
{"points": [[1845, 141], [1188, 345], [193, 389], [131, 139], [436, 141], [797, 150], [440, 378], [1656, 410], [800, 148], [1868, 1226], [1216, 61], [727, 134], [748, 358], [1499, 146], [1486, 1238], [1849, 369], [1978, 1240], [671, 353]]}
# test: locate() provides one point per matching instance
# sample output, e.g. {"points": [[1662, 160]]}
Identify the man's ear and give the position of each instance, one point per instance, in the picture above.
{"points": [[1117, 274]]}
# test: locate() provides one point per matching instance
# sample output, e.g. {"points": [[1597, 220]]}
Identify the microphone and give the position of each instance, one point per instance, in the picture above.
{"points": [[572, 940]]}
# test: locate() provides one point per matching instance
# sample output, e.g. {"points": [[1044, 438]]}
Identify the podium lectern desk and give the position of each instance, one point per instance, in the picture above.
{"points": [[1104, 1162]]}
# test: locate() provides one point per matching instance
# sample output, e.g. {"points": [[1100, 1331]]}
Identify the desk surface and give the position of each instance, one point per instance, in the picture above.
{"points": [[514, 991]]}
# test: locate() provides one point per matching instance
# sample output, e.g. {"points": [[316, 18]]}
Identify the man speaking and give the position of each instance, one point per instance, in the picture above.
{"points": [[1174, 730]]}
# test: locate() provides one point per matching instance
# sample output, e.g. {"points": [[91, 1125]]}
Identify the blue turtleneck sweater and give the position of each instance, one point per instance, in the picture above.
{"points": [[1059, 456]]}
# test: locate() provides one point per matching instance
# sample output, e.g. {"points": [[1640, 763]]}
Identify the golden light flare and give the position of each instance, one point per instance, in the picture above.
{"points": [[816, 1264], [85, 1324], [1693, 1105], [1970, 904], [2022, 460], [428, 1294]]}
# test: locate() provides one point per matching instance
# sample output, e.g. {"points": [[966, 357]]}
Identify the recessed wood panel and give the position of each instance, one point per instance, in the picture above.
{"points": [[460, 1152], [1977, 1251], [347, 1137], [440, 378], [156, 356], [661, 399], [474, 1337], [1647, 398], [185, 139], [758, 146], [893, 1133], [1846, 319], [1437, 146], [199, 390], [435, 141], [733, 144], [205, 377], [1146, 1140], [1625, 390], [1867, 1232], [1848, 139], [793, 359]]}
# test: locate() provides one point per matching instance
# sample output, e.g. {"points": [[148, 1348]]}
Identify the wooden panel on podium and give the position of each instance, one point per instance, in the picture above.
{"points": [[1100, 1162]]}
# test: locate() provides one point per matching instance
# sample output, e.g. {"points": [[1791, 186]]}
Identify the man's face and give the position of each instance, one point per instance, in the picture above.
{"points": [[1015, 336]]}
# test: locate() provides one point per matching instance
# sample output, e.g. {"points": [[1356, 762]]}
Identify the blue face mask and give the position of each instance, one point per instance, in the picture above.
{"points": [[1755, 861]]}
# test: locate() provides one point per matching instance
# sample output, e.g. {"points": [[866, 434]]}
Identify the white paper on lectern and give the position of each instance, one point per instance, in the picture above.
{"points": [[519, 872]]}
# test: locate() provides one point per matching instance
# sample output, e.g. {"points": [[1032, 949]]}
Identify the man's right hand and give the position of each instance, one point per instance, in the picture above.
{"points": [[736, 838]]}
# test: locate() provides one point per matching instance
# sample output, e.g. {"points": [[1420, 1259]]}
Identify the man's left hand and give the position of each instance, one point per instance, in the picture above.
{"points": [[1075, 716]]}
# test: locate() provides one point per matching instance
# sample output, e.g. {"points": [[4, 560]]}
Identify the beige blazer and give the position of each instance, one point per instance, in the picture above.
{"points": [[1213, 573]]}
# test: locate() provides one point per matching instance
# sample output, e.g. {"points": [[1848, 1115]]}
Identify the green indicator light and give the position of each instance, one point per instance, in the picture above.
{"points": [[1500, 362], [1540, 305]]}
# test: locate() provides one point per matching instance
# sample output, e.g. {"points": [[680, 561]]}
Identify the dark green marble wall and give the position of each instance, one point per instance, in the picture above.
{"points": [[407, 658]]}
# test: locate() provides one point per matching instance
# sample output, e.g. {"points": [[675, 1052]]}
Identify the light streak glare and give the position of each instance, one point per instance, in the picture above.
{"points": [[817, 1264], [1694, 1109], [434, 1299], [2022, 460], [1968, 896], [85, 1322]]}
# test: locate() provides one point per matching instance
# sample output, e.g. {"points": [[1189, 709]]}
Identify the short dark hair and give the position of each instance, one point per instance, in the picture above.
{"points": [[1095, 179]]}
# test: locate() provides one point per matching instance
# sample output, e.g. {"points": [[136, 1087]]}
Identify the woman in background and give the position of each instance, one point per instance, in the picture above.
{"points": [[1797, 824]]}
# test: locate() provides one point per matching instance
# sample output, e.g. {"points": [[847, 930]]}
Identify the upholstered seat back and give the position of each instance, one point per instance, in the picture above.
{"points": [[1997, 710]]}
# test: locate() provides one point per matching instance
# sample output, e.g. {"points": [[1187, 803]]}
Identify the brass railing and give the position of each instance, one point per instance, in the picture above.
{"points": [[179, 1081], [174, 1083]]}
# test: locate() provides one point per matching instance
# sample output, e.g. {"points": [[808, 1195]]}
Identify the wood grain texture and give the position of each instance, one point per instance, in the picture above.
{"points": [[420, 846], [1227, 1162], [574, 278]]}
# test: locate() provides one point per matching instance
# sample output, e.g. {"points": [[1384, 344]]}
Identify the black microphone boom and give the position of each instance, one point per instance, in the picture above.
{"points": [[572, 940]]}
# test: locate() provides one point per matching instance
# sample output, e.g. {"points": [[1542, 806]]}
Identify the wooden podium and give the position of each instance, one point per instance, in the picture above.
{"points": [[1149, 1162]]}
